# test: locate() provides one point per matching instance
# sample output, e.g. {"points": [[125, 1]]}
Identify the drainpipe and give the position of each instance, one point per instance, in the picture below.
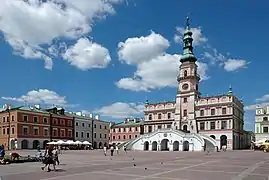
{"points": [[50, 120]]}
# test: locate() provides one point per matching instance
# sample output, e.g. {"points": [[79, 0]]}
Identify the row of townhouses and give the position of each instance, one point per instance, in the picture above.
{"points": [[27, 127]]}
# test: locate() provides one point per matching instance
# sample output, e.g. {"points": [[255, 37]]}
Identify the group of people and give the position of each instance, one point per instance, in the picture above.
{"points": [[112, 148], [51, 158]]}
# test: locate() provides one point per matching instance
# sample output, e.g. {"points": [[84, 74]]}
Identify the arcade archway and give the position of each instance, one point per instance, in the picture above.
{"points": [[146, 146], [185, 127], [164, 145], [176, 146], [223, 141], [35, 144], [186, 146], [24, 144], [154, 146]]}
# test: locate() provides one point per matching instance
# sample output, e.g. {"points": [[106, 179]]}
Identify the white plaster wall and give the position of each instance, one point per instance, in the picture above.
{"points": [[194, 143], [219, 134]]}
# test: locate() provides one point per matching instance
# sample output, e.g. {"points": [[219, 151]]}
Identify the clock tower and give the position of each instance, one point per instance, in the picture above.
{"points": [[188, 82]]}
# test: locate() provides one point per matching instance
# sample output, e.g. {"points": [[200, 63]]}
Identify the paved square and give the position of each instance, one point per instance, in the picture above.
{"points": [[85, 165]]}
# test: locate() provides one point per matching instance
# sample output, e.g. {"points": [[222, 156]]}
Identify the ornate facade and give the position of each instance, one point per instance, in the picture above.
{"points": [[220, 117]]}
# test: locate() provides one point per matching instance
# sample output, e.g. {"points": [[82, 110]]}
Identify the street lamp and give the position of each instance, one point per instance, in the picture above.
{"points": [[9, 124]]}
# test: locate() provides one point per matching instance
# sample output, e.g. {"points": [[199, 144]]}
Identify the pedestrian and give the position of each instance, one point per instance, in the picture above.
{"points": [[111, 150], [49, 160], [105, 149], [125, 149], [117, 149], [56, 155]]}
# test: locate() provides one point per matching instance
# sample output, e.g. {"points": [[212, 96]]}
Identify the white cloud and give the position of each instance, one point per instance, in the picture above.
{"points": [[263, 98], [26, 51], [264, 101], [86, 55], [158, 73], [121, 110], [235, 64], [229, 64], [198, 37], [34, 25], [141, 49], [155, 68], [254, 106], [40, 96]]}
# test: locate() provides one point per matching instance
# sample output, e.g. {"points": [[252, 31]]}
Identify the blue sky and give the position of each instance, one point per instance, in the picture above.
{"points": [[108, 57]]}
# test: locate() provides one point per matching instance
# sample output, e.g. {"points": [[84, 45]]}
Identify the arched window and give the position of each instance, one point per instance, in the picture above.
{"points": [[185, 73], [150, 117], [159, 116]]}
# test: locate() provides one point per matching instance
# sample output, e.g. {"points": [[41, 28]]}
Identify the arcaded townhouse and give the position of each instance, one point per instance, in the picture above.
{"points": [[27, 127]]}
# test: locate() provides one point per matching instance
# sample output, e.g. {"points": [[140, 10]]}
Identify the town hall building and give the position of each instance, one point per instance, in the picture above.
{"points": [[192, 118]]}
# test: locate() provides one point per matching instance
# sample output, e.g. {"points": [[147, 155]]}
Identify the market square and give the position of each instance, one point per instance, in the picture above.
{"points": [[234, 165]]}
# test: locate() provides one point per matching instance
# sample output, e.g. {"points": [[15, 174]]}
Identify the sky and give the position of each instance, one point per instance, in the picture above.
{"points": [[107, 56]]}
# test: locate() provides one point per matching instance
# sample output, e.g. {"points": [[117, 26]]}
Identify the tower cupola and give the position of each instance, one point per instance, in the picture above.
{"points": [[187, 41]]}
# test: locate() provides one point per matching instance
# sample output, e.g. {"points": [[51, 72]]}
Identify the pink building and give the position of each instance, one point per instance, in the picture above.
{"points": [[126, 130]]}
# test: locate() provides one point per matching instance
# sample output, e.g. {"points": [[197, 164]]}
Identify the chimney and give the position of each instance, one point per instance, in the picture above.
{"points": [[97, 117], [91, 115]]}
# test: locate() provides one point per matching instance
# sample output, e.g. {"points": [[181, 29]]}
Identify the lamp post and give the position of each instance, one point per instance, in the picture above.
{"points": [[9, 124]]}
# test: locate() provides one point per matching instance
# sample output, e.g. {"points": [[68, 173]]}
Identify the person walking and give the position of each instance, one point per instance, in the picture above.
{"points": [[125, 149], [56, 155], [105, 149], [117, 149], [111, 150], [49, 160]]}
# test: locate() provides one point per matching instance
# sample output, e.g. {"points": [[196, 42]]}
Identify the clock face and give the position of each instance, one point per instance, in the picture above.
{"points": [[185, 86]]}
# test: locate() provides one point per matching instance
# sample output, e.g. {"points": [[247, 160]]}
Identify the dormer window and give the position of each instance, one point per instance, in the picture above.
{"points": [[185, 73]]}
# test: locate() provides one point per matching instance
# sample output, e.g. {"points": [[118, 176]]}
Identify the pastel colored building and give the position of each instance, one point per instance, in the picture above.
{"points": [[100, 133], [124, 131], [83, 126], [262, 123]]}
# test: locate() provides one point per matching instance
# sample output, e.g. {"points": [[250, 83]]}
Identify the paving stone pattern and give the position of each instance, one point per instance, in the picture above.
{"points": [[85, 165]]}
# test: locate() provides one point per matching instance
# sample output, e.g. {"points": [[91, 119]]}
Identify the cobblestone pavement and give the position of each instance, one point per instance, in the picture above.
{"points": [[85, 165]]}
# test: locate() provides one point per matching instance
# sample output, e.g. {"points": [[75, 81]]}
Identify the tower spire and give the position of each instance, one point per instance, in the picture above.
{"points": [[187, 22], [147, 101], [230, 92], [187, 40]]}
